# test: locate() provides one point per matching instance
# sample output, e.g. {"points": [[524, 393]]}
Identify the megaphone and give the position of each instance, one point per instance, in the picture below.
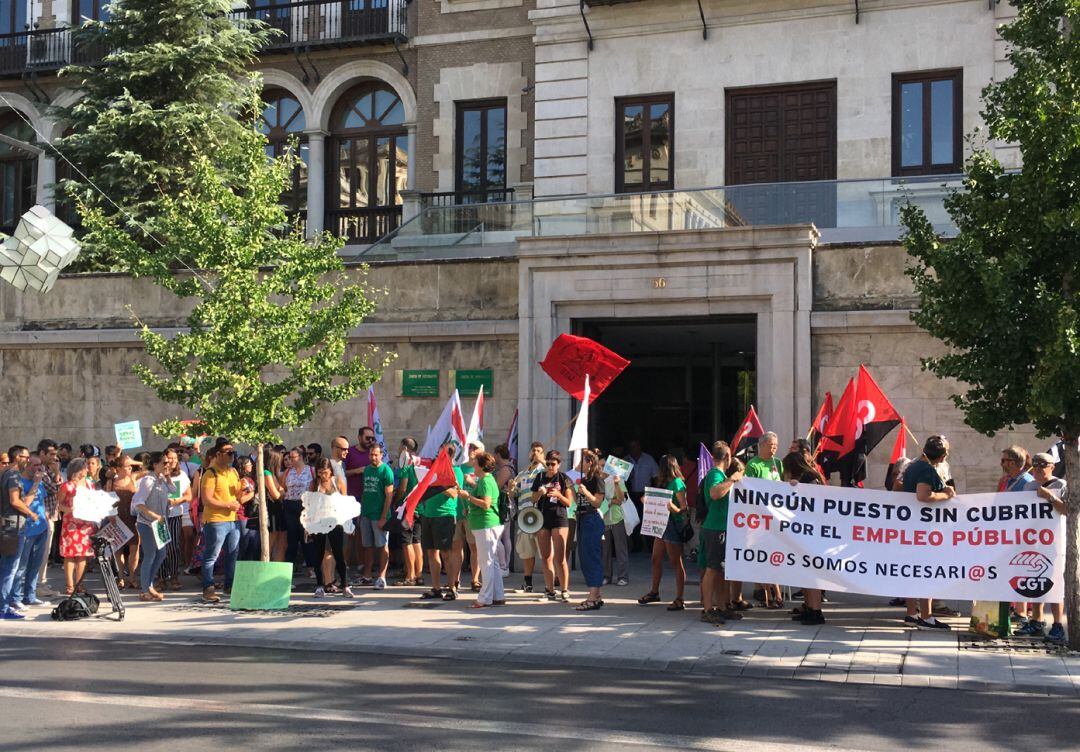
{"points": [[530, 520]]}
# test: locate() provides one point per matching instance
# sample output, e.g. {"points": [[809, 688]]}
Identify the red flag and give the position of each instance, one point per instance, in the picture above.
{"points": [[571, 358], [438, 479], [749, 432], [860, 423], [899, 451], [821, 420]]}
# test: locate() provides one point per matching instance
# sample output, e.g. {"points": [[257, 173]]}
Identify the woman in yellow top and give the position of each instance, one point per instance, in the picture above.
{"points": [[221, 496]]}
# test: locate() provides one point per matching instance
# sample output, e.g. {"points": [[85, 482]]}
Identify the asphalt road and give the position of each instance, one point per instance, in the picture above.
{"points": [[60, 694]]}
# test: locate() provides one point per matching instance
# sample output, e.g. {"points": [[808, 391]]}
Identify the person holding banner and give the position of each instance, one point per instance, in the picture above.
{"points": [[922, 478], [590, 497], [326, 483], [75, 534], [767, 467], [671, 543], [154, 496], [486, 527], [797, 469], [715, 593], [553, 495], [1049, 488]]}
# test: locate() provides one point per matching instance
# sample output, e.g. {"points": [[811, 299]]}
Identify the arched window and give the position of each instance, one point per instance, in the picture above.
{"points": [[370, 163], [18, 173], [282, 121]]}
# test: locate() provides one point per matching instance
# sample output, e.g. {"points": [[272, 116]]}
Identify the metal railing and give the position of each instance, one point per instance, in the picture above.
{"points": [[462, 198], [45, 50], [364, 225], [842, 210], [313, 23]]}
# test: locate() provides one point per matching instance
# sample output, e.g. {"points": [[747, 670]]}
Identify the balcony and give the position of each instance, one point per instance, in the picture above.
{"points": [[314, 24], [844, 211], [44, 50]]}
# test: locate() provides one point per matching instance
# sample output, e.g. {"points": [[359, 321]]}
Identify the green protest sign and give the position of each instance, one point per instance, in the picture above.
{"points": [[418, 383], [261, 586], [468, 383]]}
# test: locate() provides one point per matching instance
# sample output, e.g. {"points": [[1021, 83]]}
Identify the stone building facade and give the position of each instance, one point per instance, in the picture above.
{"points": [[711, 192]]}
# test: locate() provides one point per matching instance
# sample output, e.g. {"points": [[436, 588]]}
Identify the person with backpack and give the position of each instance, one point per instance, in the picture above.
{"points": [[482, 516]]}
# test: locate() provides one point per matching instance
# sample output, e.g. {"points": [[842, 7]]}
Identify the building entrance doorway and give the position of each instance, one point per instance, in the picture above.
{"points": [[690, 380]]}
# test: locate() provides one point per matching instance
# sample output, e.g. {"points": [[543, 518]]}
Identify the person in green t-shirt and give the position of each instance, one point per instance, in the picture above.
{"points": [[375, 502], [767, 466], [437, 536], [715, 593], [486, 528], [462, 534], [670, 544]]}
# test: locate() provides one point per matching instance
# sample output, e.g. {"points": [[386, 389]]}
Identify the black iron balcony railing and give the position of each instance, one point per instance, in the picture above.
{"points": [[45, 50], [363, 224], [331, 23], [459, 198]]}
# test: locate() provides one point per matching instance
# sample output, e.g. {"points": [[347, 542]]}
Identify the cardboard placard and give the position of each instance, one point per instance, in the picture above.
{"points": [[128, 435], [614, 466], [654, 518], [261, 586], [116, 533]]}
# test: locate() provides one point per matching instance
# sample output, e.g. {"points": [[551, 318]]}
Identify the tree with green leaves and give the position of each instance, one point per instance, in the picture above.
{"points": [[172, 86], [1004, 293], [266, 342]]}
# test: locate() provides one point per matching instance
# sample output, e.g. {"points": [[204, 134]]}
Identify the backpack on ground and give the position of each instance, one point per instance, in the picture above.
{"points": [[76, 606]]}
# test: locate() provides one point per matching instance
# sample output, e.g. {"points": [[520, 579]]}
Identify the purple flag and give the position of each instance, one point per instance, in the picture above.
{"points": [[704, 463]]}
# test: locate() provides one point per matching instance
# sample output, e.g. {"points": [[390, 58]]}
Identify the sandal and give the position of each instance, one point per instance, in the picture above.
{"points": [[650, 597], [742, 606], [176, 585], [677, 605], [120, 583], [476, 587], [431, 594], [69, 590], [589, 606], [775, 605], [450, 595], [478, 604], [146, 597]]}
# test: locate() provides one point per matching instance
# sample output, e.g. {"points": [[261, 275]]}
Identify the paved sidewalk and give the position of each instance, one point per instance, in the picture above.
{"points": [[863, 642]]}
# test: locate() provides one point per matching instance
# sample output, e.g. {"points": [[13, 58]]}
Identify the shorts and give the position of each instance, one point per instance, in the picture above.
{"points": [[525, 545], [370, 534], [185, 520], [554, 517], [409, 535], [437, 533], [671, 532], [461, 531], [714, 542]]}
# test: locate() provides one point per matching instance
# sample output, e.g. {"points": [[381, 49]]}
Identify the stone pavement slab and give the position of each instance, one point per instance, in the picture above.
{"points": [[864, 640]]}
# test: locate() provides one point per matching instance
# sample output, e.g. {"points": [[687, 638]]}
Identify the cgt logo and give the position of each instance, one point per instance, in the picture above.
{"points": [[1035, 582]]}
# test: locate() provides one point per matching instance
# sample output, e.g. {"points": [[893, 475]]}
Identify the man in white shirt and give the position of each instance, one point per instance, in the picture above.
{"points": [[645, 470]]}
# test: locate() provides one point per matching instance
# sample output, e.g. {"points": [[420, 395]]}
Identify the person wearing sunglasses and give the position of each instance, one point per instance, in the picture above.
{"points": [[553, 493], [222, 495], [1049, 488]]}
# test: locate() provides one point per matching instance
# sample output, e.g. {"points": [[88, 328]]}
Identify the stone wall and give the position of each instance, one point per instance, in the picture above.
{"points": [[66, 357]]}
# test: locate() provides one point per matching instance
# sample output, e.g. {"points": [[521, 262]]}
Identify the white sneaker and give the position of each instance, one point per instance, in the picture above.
{"points": [[622, 582], [380, 584], [320, 592], [348, 593], [19, 607]]}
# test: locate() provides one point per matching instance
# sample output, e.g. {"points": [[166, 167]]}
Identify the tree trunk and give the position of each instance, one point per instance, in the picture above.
{"points": [[264, 533], [1072, 536]]}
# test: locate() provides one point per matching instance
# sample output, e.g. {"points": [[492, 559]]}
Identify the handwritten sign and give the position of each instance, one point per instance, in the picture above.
{"points": [[654, 518], [91, 505], [128, 435], [261, 586], [614, 466], [116, 533], [324, 512]]}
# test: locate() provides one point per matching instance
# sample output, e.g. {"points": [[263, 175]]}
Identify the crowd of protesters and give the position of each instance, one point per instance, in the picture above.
{"points": [[465, 536]]}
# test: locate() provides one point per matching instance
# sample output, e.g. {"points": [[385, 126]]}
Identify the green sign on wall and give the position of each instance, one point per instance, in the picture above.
{"points": [[468, 383], [418, 383]]}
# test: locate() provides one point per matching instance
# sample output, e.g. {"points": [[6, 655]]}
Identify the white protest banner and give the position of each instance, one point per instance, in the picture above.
{"points": [[654, 518], [1001, 546], [91, 505], [323, 512], [614, 466], [116, 533]]}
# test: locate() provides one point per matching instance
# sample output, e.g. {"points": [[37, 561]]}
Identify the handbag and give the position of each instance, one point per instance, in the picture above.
{"points": [[686, 534]]}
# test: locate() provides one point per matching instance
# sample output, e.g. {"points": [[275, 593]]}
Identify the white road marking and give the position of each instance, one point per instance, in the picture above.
{"points": [[294, 712]]}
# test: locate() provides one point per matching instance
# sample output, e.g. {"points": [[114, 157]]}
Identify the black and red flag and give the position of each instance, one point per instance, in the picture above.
{"points": [[821, 421], [439, 479], [899, 452], [572, 358], [746, 439], [862, 419]]}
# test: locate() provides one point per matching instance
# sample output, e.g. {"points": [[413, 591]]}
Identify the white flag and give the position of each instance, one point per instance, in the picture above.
{"points": [[476, 422], [450, 427], [579, 439]]}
